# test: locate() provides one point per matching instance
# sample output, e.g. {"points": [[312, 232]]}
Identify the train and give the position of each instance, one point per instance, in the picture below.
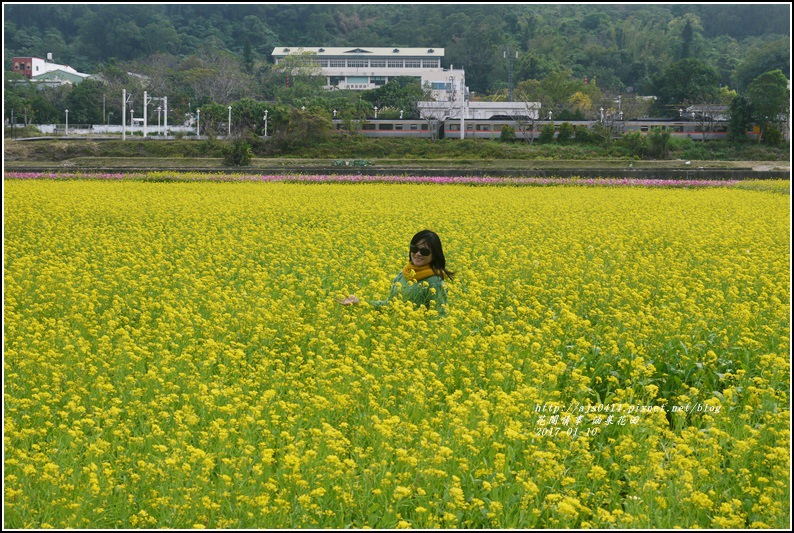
{"points": [[492, 128]]}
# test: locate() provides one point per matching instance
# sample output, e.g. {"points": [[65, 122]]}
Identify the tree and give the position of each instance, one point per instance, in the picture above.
{"points": [[433, 113], [741, 119], [84, 102], [658, 142], [769, 97], [769, 56], [304, 128], [688, 80], [401, 93]]}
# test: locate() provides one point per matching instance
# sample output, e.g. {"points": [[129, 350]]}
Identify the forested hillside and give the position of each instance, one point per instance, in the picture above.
{"points": [[621, 46]]}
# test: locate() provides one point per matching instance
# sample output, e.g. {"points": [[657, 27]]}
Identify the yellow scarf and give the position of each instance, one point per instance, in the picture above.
{"points": [[412, 272]]}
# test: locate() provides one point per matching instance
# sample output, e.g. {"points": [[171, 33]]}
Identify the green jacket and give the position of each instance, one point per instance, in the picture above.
{"points": [[418, 292]]}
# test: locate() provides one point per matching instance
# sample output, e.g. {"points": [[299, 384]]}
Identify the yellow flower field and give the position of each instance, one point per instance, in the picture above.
{"points": [[175, 356]]}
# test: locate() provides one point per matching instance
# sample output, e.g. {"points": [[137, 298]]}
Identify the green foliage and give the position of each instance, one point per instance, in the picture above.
{"points": [[508, 134], [237, 153], [304, 128], [688, 80], [546, 133], [741, 119], [768, 95], [400, 93], [566, 133], [635, 143], [658, 143]]}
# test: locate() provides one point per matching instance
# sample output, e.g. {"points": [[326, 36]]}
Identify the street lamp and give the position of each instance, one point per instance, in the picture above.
{"points": [[159, 133], [132, 113], [334, 113], [401, 114], [549, 115], [680, 112], [376, 111], [230, 121], [265, 122], [621, 115], [602, 114], [198, 122], [66, 131]]}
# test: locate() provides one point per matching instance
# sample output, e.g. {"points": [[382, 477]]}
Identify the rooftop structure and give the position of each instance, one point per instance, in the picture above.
{"points": [[36, 69], [370, 68]]}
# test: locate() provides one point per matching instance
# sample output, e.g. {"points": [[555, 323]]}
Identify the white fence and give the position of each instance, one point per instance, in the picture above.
{"points": [[99, 129]]}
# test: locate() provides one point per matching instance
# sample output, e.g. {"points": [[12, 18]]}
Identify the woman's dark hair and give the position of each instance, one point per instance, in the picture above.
{"points": [[439, 263]]}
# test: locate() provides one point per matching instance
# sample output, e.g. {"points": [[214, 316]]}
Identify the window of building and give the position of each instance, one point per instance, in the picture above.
{"points": [[440, 86], [430, 63], [336, 63], [360, 80], [377, 63], [335, 80], [323, 62], [16, 66], [378, 80], [357, 63], [395, 63], [413, 63]]}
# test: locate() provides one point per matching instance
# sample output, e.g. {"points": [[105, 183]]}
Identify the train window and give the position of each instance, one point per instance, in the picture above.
{"points": [[398, 127], [368, 127], [643, 128], [386, 127], [469, 127], [454, 127], [414, 127], [483, 127]]}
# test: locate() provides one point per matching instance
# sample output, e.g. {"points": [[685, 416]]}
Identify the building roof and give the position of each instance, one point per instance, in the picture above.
{"points": [[355, 51], [61, 75]]}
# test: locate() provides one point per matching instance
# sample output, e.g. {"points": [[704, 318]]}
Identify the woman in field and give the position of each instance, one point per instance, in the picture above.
{"points": [[421, 281]]}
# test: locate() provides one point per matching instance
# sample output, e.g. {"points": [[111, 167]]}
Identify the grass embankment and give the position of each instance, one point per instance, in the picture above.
{"points": [[421, 153]]}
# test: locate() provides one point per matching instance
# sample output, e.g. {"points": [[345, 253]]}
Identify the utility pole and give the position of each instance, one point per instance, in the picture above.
{"points": [[146, 101], [124, 101], [165, 115]]}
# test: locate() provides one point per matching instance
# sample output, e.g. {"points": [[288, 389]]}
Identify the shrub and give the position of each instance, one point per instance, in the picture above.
{"points": [[566, 133], [237, 154], [634, 143], [658, 143], [546, 133], [508, 134]]}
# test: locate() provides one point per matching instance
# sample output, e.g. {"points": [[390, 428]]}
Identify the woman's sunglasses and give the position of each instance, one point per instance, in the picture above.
{"points": [[424, 251]]}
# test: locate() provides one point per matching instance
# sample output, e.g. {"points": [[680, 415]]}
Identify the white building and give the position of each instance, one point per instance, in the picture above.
{"points": [[369, 68], [37, 69]]}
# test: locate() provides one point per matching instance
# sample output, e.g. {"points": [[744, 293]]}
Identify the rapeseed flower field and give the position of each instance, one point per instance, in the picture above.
{"points": [[175, 356]]}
